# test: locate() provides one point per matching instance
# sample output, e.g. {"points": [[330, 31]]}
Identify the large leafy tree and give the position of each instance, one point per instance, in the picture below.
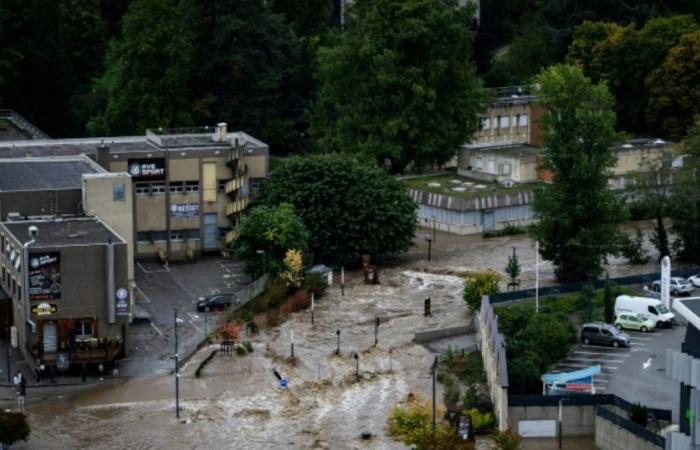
{"points": [[577, 216], [307, 17], [245, 68], [674, 88], [684, 205], [398, 85], [349, 208], [56, 48], [624, 57], [146, 80], [271, 229]]}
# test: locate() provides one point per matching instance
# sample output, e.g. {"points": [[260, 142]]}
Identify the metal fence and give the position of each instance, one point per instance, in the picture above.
{"points": [[633, 427], [545, 291]]}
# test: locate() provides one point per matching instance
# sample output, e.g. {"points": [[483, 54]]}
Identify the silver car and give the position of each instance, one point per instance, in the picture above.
{"points": [[678, 286]]}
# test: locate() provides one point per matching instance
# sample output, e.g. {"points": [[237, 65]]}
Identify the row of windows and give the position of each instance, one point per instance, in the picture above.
{"points": [[519, 120], [159, 236], [175, 187], [10, 284]]}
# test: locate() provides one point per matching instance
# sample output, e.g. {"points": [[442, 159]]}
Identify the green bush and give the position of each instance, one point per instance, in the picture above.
{"points": [[507, 440], [316, 284], [13, 427], [508, 230], [241, 350], [248, 346], [452, 392], [639, 414], [481, 422], [633, 248], [484, 283]]}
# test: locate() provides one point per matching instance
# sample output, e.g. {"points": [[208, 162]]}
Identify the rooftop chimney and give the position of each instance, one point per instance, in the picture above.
{"points": [[223, 135]]}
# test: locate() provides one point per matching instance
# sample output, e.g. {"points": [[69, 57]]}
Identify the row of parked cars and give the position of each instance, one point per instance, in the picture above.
{"points": [[679, 286], [631, 313]]}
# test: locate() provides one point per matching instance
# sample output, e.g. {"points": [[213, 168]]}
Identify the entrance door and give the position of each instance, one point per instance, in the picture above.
{"points": [[488, 221], [210, 241], [50, 337]]}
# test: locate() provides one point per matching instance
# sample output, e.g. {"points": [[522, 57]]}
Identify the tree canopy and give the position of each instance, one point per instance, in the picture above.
{"points": [[349, 208], [398, 85], [274, 230], [576, 214], [146, 83]]}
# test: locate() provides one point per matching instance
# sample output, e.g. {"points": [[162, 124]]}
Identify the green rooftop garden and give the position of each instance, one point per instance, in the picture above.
{"points": [[462, 187]]}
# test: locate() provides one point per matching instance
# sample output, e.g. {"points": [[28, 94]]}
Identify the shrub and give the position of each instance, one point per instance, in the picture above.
{"points": [[299, 301], [248, 346], [452, 392], [316, 284], [241, 350], [639, 414], [13, 427], [293, 273], [507, 440], [482, 422], [277, 292], [633, 248], [484, 283]]}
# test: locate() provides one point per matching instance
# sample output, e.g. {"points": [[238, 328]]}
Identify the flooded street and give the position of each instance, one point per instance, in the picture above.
{"points": [[237, 402]]}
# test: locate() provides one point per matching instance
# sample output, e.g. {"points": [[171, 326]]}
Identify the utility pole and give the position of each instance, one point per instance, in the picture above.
{"points": [[9, 350], [177, 374]]}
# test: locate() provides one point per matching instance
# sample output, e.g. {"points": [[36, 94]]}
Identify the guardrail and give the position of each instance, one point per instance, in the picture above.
{"points": [[545, 291]]}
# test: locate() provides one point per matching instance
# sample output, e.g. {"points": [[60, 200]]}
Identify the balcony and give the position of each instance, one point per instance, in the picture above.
{"points": [[240, 180], [235, 207]]}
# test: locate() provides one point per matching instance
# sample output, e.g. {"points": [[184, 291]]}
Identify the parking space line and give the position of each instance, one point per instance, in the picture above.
{"points": [[605, 355], [594, 360], [196, 327], [610, 349], [603, 367], [156, 328]]}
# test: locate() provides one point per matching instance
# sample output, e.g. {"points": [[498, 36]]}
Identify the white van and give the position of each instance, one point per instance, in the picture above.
{"points": [[652, 308]]}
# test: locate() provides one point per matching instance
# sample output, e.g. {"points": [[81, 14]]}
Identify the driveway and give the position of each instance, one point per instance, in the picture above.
{"points": [[150, 346]]}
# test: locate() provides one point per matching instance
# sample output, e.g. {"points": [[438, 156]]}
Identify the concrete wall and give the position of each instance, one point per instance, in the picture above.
{"points": [[498, 392], [512, 132], [609, 436], [576, 420], [41, 203], [497, 165]]}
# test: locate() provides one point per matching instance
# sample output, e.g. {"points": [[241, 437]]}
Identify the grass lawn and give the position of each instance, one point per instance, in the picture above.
{"points": [[446, 186]]}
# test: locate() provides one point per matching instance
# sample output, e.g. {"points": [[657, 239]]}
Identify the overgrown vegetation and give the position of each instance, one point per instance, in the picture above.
{"points": [[476, 286], [632, 248], [508, 230], [13, 427], [639, 414]]}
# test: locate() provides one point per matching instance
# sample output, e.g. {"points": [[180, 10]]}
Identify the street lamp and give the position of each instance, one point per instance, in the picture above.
{"points": [[264, 261], [427, 237], [337, 350], [177, 370], [433, 370], [433, 216], [376, 329]]}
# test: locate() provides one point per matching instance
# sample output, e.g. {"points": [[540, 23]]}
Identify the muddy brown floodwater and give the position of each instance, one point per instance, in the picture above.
{"points": [[237, 402]]}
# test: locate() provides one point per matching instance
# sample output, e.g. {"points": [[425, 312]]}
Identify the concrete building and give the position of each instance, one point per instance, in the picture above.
{"points": [[190, 186], [500, 161], [512, 117], [68, 281]]}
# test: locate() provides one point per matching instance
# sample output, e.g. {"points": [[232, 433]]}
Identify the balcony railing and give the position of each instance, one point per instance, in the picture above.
{"points": [[237, 206], [184, 137]]}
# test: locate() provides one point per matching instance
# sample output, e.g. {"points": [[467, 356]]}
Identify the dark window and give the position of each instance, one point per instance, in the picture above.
{"points": [[142, 188], [118, 192], [14, 286], [158, 236], [82, 328], [192, 234], [157, 188], [606, 333], [143, 236], [192, 186], [176, 235], [222, 185], [652, 310], [590, 330], [177, 187]]}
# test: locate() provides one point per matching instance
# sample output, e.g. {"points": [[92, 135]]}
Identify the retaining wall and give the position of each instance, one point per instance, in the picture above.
{"points": [[576, 420], [609, 436]]}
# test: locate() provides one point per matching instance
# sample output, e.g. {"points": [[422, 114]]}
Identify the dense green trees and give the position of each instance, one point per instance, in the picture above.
{"points": [[624, 57], [577, 216], [684, 204], [274, 230], [349, 208], [398, 85], [146, 84]]}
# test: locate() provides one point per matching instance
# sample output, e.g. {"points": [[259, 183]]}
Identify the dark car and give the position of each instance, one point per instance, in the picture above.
{"points": [[215, 302], [603, 334]]}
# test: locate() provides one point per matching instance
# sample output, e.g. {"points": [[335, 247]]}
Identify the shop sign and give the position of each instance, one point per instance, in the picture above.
{"points": [[122, 305], [147, 169], [45, 309], [45, 276], [62, 361], [184, 210]]}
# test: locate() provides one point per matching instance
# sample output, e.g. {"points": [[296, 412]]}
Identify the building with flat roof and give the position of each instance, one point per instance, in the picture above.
{"points": [[68, 280]]}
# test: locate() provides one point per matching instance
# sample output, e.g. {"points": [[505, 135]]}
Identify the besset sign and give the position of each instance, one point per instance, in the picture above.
{"points": [[147, 169]]}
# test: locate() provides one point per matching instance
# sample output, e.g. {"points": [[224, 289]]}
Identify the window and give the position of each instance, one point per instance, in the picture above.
{"points": [[191, 186], [19, 292], [522, 120], [158, 236], [505, 122], [479, 162], [177, 235], [142, 188], [158, 188], [505, 169], [82, 328], [118, 192], [485, 123], [192, 234], [606, 333], [222, 185], [652, 310], [590, 330], [143, 236], [4, 274], [177, 187]]}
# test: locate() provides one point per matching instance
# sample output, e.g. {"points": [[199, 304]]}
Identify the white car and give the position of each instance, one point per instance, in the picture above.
{"points": [[694, 280], [677, 286]]}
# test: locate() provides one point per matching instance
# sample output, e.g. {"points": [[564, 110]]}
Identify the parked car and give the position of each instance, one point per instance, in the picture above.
{"points": [[603, 334], [215, 302], [678, 286], [651, 308], [632, 321], [694, 280]]}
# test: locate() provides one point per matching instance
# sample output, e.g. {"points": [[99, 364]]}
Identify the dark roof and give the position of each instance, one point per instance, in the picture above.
{"points": [[44, 174], [692, 304], [69, 147], [64, 232]]}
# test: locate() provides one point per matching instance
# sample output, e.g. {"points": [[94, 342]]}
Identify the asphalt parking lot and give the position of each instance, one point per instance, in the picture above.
{"points": [[637, 373], [150, 346]]}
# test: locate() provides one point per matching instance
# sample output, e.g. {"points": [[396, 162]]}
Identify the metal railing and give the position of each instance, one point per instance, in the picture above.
{"points": [[184, 137], [23, 124]]}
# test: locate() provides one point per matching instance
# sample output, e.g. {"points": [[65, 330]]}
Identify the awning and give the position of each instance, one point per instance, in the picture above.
{"points": [[568, 377]]}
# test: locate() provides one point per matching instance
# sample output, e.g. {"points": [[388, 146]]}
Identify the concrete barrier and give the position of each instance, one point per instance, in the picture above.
{"points": [[433, 335], [576, 420]]}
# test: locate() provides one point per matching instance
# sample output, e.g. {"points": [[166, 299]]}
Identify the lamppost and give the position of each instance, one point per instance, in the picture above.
{"points": [[206, 317], [312, 308], [264, 261], [433, 216], [433, 370], [376, 330], [337, 350], [357, 365], [291, 338], [177, 370], [427, 237], [561, 403]]}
